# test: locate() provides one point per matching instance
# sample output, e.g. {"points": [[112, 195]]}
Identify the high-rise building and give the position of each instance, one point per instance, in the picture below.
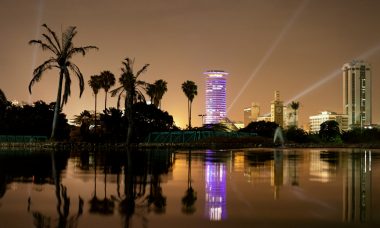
{"points": [[317, 120], [277, 109], [215, 96], [357, 93], [251, 114]]}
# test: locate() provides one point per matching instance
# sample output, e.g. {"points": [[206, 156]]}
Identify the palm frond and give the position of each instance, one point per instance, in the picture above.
{"points": [[116, 91], [79, 75], [80, 50], [54, 35], [128, 64], [140, 96], [118, 99], [67, 38], [42, 45], [142, 83], [56, 50], [142, 70], [67, 91], [37, 73]]}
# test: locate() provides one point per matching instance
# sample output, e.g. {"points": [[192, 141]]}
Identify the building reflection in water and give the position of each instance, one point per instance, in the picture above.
{"points": [[216, 192], [357, 187], [277, 175], [323, 166]]}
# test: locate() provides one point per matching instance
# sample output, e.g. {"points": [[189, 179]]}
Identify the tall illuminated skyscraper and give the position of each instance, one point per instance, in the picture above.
{"points": [[357, 93], [277, 109], [215, 96]]}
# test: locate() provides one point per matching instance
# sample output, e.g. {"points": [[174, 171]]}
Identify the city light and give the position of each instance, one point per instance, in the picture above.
{"points": [[215, 96]]}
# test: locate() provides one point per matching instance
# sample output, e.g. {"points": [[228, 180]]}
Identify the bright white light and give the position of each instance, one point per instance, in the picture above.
{"points": [[269, 52]]}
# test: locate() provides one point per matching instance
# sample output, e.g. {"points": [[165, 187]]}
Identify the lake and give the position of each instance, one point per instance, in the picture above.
{"points": [[198, 188]]}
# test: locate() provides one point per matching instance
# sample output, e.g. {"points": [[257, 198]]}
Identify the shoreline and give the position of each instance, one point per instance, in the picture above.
{"points": [[85, 146]]}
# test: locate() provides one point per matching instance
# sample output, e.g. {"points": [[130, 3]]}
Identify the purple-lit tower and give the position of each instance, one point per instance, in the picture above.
{"points": [[215, 96]]}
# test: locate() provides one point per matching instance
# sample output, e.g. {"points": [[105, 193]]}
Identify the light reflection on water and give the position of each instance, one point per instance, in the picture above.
{"points": [[302, 187]]}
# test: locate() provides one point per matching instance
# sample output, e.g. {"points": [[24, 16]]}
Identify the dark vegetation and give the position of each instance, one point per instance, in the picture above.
{"points": [[32, 120], [329, 134], [112, 125]]}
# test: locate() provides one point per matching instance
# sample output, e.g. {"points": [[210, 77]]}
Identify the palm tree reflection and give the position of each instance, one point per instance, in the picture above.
{"points": [[190, 197], [63, 204], [107, 205], [140, 170]]}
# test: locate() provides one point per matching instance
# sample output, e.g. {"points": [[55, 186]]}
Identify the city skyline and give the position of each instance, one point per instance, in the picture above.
{"points": [[296, 47]]}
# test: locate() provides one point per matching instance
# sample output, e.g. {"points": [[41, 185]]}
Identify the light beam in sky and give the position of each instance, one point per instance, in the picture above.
{"points": [[40, 7], [269, 52], [333, 74]]}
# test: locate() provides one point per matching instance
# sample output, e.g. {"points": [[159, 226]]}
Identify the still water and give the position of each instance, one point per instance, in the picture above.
{"points": [[199, 188]]}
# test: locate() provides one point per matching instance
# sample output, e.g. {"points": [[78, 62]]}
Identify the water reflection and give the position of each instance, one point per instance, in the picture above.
{"points": [[190, 197], [215, 186], [357, 187], [62, 189]]}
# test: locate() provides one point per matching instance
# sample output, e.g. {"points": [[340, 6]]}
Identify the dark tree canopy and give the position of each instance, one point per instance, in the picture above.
{"points": [[32, 120], [329, 131], [296, 135], [261, 128], [147, 118]]}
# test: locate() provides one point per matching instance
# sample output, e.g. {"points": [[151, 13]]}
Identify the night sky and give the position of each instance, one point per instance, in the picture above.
{"points": [[294, 46]]}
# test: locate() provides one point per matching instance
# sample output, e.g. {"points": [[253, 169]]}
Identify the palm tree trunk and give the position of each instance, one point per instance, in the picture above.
{"points": [[189, 114], [96, 96], [57, 106], [105, 100], [129, 113]]}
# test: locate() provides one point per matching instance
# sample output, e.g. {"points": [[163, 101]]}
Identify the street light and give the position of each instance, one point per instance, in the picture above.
{"points": [[202, 115]]}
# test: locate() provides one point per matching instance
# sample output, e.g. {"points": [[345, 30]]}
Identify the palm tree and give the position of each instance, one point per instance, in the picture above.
{"points": [[161, 88], [95, 84], [107, 80], [190, 90], [295, 105], [131, 85], [62, 51], [150, 90]]}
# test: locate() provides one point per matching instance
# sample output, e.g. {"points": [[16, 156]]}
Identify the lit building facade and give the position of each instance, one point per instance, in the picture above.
{"points": [[277, 110], [266, 118], [215, 96], [357, 104], [251, 114], [317, 120]]}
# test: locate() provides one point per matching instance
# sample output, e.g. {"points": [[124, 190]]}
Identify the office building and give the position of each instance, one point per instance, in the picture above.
{"points": [[357, 103], [277, 110], [317, 120], [251, 114], [215, 96]]}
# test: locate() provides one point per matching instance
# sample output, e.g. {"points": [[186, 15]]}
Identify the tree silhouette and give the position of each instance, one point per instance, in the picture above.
{"points": [[131, 86], [150, 90], [329, 131], [107, 81], [295, 105], [190, 90], [62, 51], [161, 88], [95, 84]]}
